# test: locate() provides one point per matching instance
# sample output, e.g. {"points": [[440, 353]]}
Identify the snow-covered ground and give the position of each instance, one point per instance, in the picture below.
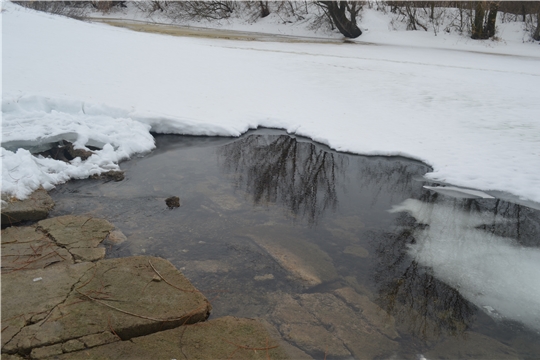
{"points": [[468, 108]]}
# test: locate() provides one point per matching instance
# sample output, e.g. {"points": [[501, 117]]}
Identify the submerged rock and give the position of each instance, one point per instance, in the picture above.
{"points": [[304, 260], [116, 237], [356, 250], [111, 175], [471, 346], [173, 202], [35, 207], [323, 324]]}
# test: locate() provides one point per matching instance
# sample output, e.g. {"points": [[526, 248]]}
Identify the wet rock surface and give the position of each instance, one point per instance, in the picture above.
{"points": [[65, 151], [57, 303], [80, 235], [325, 325], [112, 175], [224, 338], [172, 202], [35, 207], [304, 260], [30, 248], [476, 346], [117, 296]]}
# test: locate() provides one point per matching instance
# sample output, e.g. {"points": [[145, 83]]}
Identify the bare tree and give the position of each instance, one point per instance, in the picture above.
{"points": [[485, 16], [73, 9], [280, 169], [343, 15]]}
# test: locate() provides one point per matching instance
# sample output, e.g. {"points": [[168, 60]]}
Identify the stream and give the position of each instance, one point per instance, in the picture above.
{"points": [[348, 250]]}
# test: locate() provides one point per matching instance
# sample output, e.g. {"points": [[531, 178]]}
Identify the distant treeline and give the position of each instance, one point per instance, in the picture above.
{"points": [[474, 18]]}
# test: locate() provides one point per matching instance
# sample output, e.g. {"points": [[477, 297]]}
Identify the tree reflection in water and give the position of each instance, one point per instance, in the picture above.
{"points": [[427, 305], [281, 169]]}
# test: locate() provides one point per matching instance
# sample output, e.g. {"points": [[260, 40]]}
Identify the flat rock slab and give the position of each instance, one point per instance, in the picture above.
{"points": [[223, 338], [76, 231], [29, 296], [346, 325], [471, 346], [26, 248], [304, 260], [97, 303], [35, 207]]}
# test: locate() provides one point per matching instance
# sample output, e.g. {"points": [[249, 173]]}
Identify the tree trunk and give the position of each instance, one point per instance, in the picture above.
{"points": [[536, 35], [264, 8], [338, 13], [478, 24], [489, 31], [484, 24]]}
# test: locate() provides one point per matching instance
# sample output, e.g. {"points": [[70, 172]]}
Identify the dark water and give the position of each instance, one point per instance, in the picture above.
{"points": [[268, 217]]}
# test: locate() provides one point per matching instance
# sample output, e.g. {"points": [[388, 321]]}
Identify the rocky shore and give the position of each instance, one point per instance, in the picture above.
{"points": [[62, 300]]}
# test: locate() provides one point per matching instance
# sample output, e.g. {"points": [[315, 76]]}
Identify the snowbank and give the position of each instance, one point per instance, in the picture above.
{"points": [[472, 116]]}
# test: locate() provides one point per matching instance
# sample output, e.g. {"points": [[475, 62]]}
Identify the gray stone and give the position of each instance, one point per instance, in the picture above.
{"points": [[111, 175], [361, 339], [222, 338], [11, 357], [88, 254], [101, 338], [35, 207], [72, 345], [471, 346], [26, 248], [82, 153], [292, 351], [263, 277], [116, 237], [30, 300], [208, 266], [356, 250], [76, 231], [46, 351], [304, 260], [324, 325], [371, 312], [173, 202], [300, 327], [111, 296]]}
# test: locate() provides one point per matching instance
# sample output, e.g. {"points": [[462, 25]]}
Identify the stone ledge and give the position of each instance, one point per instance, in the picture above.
{"points": [[35, 207]]}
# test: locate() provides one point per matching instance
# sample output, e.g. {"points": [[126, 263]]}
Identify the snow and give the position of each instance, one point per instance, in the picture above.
{"points": [[467, 108]]}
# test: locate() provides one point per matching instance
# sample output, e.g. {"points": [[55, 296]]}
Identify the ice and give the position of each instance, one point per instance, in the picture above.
{"points": [[459, 192], [493, 272]]}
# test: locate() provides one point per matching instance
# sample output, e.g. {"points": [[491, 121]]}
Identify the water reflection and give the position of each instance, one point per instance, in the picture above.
{"points": [[424, 263], [477, 248], [427, 307], [280, 169]]}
